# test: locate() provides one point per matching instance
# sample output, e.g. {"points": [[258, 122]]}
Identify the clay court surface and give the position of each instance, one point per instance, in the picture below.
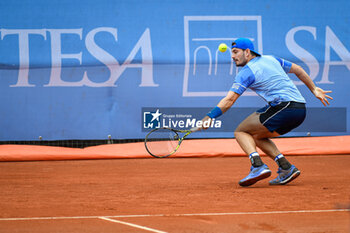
{"points": [[172, 195]]}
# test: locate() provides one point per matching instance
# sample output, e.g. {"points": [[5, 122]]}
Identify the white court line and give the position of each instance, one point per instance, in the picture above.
{"points": [[178, 215], [132, 225]]}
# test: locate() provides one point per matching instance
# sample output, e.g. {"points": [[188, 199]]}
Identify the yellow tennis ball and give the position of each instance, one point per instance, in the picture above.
{"points": [[222, 47]]}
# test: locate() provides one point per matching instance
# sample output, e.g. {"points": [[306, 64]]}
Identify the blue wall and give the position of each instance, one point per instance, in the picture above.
{"points": [[87, 69]]}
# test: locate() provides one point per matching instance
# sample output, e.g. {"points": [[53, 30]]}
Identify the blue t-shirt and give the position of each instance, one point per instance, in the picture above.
{"points": [[267, 76]]}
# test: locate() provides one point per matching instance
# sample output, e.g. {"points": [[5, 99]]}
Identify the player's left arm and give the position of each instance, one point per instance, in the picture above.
{"points": [[305, 78]]}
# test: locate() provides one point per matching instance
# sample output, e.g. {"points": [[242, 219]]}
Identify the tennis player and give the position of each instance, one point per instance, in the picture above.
{"points": [[267, 76]]}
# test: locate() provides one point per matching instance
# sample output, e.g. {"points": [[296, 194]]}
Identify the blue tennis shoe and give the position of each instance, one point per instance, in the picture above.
{"points": [[255, 174], [285, 176]]}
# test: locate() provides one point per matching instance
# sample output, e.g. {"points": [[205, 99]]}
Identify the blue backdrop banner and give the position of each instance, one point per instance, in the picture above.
{"points": [[89, 69]]}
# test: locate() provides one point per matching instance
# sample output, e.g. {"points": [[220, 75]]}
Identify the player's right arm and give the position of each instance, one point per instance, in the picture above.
{"points": [[305, 78], [242, 81], [227, 102], [224, 105]]}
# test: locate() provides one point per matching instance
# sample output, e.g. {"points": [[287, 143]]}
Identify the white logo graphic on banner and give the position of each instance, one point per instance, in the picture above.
{"points": [[203, 61]]}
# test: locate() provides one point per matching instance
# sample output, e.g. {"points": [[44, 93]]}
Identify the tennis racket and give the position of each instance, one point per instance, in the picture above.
{"points": [[163, 142]]}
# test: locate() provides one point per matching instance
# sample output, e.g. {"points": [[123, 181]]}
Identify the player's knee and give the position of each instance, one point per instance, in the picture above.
{"points": [[238, 133], [239, 129]]}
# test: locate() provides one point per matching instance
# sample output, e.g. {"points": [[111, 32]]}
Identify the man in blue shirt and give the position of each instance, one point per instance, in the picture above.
{"points": [[266, 75]]}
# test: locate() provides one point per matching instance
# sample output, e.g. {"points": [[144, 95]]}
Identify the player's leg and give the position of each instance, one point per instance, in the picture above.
{"points": [[267, 146], [245, 135], [280, 119], [250, 134], [256, 130], [270, 149]]}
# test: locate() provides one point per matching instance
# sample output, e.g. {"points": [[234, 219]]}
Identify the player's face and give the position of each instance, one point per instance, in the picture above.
{"points": [[239, 56]]}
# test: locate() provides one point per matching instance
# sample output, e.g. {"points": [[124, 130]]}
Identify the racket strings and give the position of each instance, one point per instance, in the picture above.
{"points": [[162, 143]]}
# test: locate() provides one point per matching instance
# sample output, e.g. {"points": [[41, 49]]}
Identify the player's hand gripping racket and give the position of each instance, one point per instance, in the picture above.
{"points": [[163, 142]]}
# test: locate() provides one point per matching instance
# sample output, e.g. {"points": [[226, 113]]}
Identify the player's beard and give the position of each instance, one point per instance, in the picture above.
{"points": [[241, 62]]}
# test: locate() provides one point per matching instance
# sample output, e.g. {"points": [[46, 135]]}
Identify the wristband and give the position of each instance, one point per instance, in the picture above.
{"points": [[216, 112]]}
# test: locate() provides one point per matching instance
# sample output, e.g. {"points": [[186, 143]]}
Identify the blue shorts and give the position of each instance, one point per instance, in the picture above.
{"points": [[283, 117]]}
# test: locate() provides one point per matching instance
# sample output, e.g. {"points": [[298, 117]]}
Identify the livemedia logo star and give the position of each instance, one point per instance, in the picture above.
{"points": [[151, 120]]}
